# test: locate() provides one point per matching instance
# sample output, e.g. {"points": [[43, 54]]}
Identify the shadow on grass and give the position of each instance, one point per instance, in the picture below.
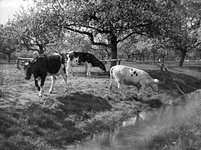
{"points": [[197, 68], [50, 125], [185, 82], [154, 103], [78, 103]]}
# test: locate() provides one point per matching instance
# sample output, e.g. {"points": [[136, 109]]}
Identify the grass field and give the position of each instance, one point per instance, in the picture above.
{"points": [[27, 122]]}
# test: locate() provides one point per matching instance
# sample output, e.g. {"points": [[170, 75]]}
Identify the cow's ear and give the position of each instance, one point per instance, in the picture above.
{"points": [[27, 63], [71, 53], [33, 61]]}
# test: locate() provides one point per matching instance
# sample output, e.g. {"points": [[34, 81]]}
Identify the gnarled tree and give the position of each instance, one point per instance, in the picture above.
{"points": [[115, 20]]}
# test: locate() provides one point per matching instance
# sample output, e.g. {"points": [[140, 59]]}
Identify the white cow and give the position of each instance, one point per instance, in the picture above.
{"points": [[132, 76]]}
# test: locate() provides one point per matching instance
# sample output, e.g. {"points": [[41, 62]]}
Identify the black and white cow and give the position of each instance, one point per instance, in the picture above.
{"points": [[75, 58], [43, 66]]}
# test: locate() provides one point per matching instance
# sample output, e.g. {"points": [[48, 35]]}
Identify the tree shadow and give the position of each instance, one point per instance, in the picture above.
{"points": [[153, 103], [54, 122], [79, 103]]}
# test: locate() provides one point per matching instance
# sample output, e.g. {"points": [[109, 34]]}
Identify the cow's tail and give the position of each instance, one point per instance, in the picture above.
{"points": [[111, 77]]}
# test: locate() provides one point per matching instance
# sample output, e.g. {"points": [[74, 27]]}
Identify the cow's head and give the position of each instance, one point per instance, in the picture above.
{"points": [[28, 70], [154, 85], [27, 65], [102, 66]]}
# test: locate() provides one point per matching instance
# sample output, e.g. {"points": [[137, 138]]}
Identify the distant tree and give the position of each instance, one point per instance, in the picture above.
{"points": [[127, 48], [181, 29], [33, 30], [143, 46], [163, 53], [8, 41]]}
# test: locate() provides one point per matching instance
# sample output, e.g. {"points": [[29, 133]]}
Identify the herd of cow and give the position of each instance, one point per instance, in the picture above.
{"points": [[55, 64]]}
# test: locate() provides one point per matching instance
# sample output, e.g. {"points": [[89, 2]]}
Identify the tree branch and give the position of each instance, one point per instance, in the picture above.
{"points": [[128, 35], [100, 31], [90, 35], [28, 46]]}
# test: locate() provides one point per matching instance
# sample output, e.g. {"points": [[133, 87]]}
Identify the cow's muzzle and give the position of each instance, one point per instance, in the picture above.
{"points": [[27, 78]]}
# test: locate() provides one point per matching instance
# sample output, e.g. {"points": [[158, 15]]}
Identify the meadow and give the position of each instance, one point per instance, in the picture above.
{"points": [[88, 107]]}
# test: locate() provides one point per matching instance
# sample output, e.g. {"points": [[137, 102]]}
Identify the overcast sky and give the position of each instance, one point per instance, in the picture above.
{"points": [[10, 7]]}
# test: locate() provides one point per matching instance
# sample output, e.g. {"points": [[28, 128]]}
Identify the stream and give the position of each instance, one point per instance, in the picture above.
{"points": [[133, 133]]}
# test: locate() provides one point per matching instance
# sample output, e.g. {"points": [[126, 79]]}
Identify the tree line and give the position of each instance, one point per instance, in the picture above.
{"points": [[109, 28]]}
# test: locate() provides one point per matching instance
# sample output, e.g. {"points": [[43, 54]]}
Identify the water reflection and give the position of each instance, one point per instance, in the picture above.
{"points": [[132, 134]]}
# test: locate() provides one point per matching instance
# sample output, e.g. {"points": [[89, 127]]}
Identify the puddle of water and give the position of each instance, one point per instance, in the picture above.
{"points": [[131, 134]]}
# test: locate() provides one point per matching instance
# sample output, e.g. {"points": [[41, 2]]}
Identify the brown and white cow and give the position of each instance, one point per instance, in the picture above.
{"points": [[132, 76], [88, 59], [43, 66]]}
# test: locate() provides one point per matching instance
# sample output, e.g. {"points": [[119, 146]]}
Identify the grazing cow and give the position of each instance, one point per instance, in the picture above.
{"points": [[132, 76], [75, 58], [43, 66]]}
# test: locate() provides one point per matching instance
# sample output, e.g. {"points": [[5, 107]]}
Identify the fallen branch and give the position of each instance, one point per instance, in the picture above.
{"points": [[163, 67]]}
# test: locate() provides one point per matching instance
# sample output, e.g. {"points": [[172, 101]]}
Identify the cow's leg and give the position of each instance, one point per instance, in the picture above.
{"points": [[68, 68], [36, 84], [120, 87], [88, 69], [111, 80], [52, 84], [142, 87], [63, 73], [41, 86], [71, 70]]}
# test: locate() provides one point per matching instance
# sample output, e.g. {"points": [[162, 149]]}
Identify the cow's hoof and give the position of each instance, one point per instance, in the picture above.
{"points": [[50, 92]]}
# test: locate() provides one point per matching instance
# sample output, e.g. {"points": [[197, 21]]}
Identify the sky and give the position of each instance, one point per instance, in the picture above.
{"points": [[10, 7]]}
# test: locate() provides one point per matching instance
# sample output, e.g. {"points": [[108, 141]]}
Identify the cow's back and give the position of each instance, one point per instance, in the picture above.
{"points": [[89, 58], [130, 76], [53, 63], [39, 66]]}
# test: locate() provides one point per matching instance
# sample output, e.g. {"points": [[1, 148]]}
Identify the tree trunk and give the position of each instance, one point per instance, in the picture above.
{"points": [[41, 49], [140, 57], [143, 57], [163, 59], [154, 57], [182, 57], [8, 57], [113, 50], [200, 55]]}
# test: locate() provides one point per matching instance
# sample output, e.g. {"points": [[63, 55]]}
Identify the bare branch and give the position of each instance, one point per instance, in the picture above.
{"points": [[128, 35], [90, 35]]}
